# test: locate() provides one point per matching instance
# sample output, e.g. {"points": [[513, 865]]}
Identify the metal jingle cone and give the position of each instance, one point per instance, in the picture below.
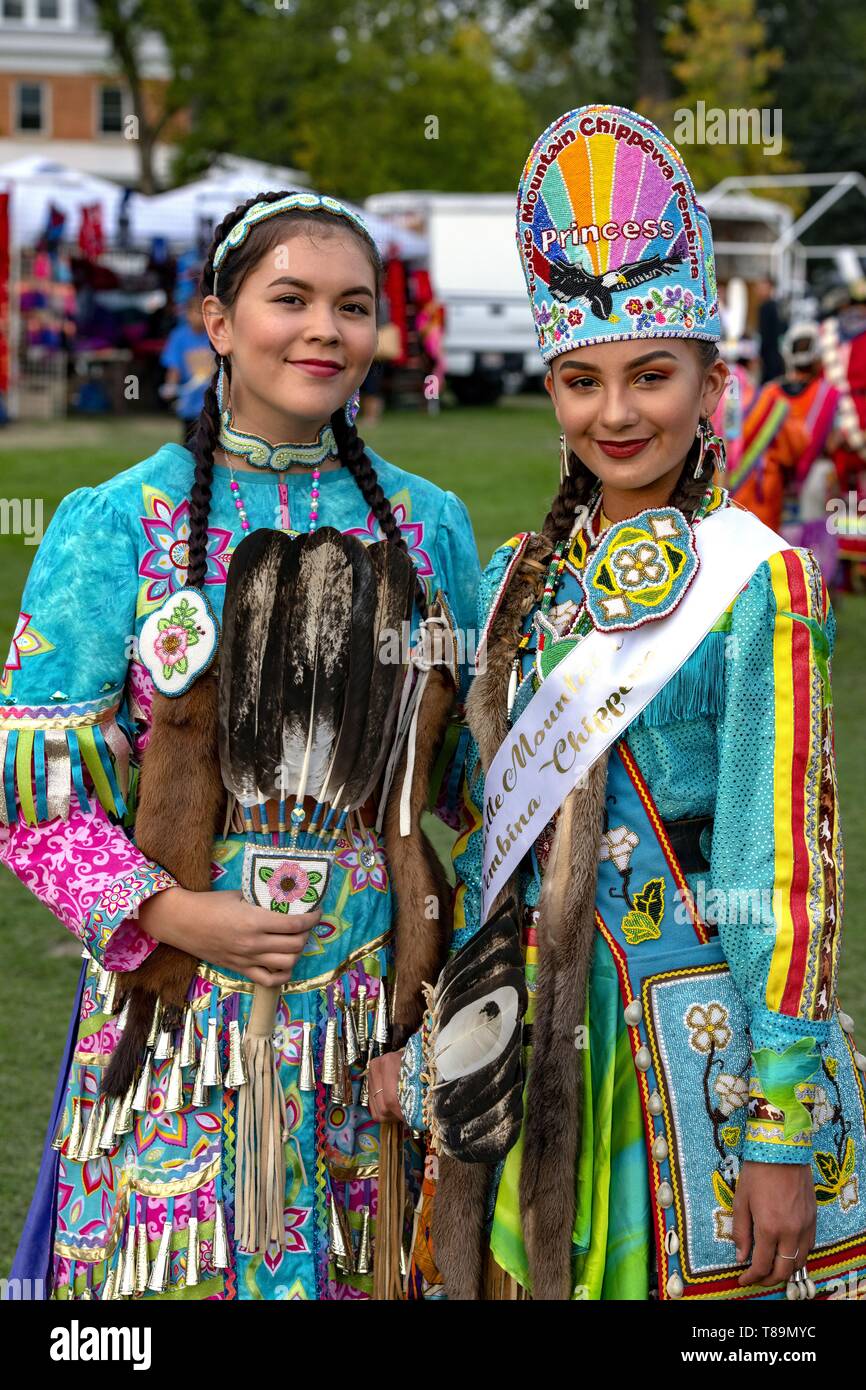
{"points": [[58, 1141], [362, 1021], [213, 1075], [174, 1090], [364, 1093], [126, 1287], [107, 1293], [341, 1090], [139, 1100], [350, 1035], [364, 1263], [187, 1042], [123, 1016], [75, 1132], [199, 1090], [192, 1253], [108, 1139], [125, 1119], [154, 1025], [329, 1061], [89, 1147], [109, 1002], [341, 1237], [236, 1074], [164, 1046], [142, 1262], [220, 1238], [103, 981], [158, 1281], [381, 1025], [307, 1080]]}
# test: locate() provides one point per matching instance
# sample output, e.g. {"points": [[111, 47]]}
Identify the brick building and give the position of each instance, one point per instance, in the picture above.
{"points": [[60, 94]]}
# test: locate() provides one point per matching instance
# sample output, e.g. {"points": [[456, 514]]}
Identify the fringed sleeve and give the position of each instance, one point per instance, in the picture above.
{"points": [[65, 753], [777, 853]]}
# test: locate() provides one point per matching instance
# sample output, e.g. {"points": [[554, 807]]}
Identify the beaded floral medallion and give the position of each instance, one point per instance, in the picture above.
{"points": [[283, 879], [641, 570]]}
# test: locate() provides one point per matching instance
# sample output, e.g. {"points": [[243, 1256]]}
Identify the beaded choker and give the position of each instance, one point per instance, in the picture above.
{"points": [[278, 457]]}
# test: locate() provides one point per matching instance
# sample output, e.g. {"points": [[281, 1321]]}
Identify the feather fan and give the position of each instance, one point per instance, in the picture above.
{"points": [[251, 591], [395, 587]]}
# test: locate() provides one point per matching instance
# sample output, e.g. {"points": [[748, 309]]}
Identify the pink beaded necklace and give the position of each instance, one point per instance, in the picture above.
{"points": [[242, 511]]}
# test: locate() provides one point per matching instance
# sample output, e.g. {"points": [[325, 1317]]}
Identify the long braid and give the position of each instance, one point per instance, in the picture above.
{"points": [[202, 444], [355, 458], [574, 491]]}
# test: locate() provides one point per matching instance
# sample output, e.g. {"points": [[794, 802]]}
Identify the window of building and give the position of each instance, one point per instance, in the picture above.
{"points": [[12, 9], [30, 114], [110, 111], [48, 9]]}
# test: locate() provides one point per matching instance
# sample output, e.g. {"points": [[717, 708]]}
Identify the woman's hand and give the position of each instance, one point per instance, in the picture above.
{"points": [[383, 1075], [774, 1210], [224, 929]]}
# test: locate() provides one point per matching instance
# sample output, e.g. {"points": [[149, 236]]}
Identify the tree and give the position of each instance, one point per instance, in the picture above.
{"points": [[196, 35], [721, 59], [440, 119]]}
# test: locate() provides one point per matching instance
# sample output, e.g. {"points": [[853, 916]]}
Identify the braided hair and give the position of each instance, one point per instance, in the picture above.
{"points": [[576, 487], [204, 435]]}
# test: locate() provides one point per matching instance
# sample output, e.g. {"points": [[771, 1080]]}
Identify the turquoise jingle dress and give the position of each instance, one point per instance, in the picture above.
{"points": [[75, 715], [736, 751]]}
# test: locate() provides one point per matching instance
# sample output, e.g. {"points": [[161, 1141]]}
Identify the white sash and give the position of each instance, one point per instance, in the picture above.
{"points": [[590, 698]]}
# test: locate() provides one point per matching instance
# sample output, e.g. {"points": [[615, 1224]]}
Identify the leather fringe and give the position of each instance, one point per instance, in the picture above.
{"points": [[391, 1212]]}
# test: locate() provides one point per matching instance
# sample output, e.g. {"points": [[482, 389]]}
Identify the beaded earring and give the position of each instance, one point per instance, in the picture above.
{"points": [[220, 386], [563, 459], [712, 449]]}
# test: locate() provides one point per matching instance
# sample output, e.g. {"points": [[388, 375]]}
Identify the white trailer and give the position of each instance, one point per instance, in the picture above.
{"points": [[490, 342]]}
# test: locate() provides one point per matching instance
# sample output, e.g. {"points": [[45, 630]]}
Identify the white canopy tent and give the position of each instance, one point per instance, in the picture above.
{"points": [[181, 215], [35, 182]]}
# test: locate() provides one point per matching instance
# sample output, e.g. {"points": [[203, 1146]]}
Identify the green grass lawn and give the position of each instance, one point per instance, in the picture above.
{"points": [[503, 462]]}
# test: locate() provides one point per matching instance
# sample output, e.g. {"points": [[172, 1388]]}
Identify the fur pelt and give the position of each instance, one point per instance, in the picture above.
{"points": [[421, 936], [566, 935], [181, 799], [565, 940]]}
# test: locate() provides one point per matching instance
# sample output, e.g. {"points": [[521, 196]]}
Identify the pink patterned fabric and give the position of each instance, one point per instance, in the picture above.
{"points": [[140, 693], [85, 864]]}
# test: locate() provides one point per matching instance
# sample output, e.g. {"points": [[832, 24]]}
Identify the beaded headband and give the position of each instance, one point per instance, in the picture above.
{"points": [[260, 212], [613, 241]]}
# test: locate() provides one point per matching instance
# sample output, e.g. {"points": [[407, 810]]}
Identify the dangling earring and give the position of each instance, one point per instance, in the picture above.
{"points": [[352, 406], [564, 452], [711, 450], [220, 387]]}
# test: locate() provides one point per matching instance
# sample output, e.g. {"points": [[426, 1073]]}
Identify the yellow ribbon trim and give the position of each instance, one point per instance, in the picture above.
{"points": [[23, 765]]}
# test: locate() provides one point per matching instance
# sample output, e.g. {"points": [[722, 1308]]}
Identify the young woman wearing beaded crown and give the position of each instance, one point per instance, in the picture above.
{"points": [[140, 1199], [657, 697]]}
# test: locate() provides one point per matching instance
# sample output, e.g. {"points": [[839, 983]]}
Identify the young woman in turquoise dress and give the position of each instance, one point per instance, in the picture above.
{"points": [[649, 896], [139, 1199]]}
